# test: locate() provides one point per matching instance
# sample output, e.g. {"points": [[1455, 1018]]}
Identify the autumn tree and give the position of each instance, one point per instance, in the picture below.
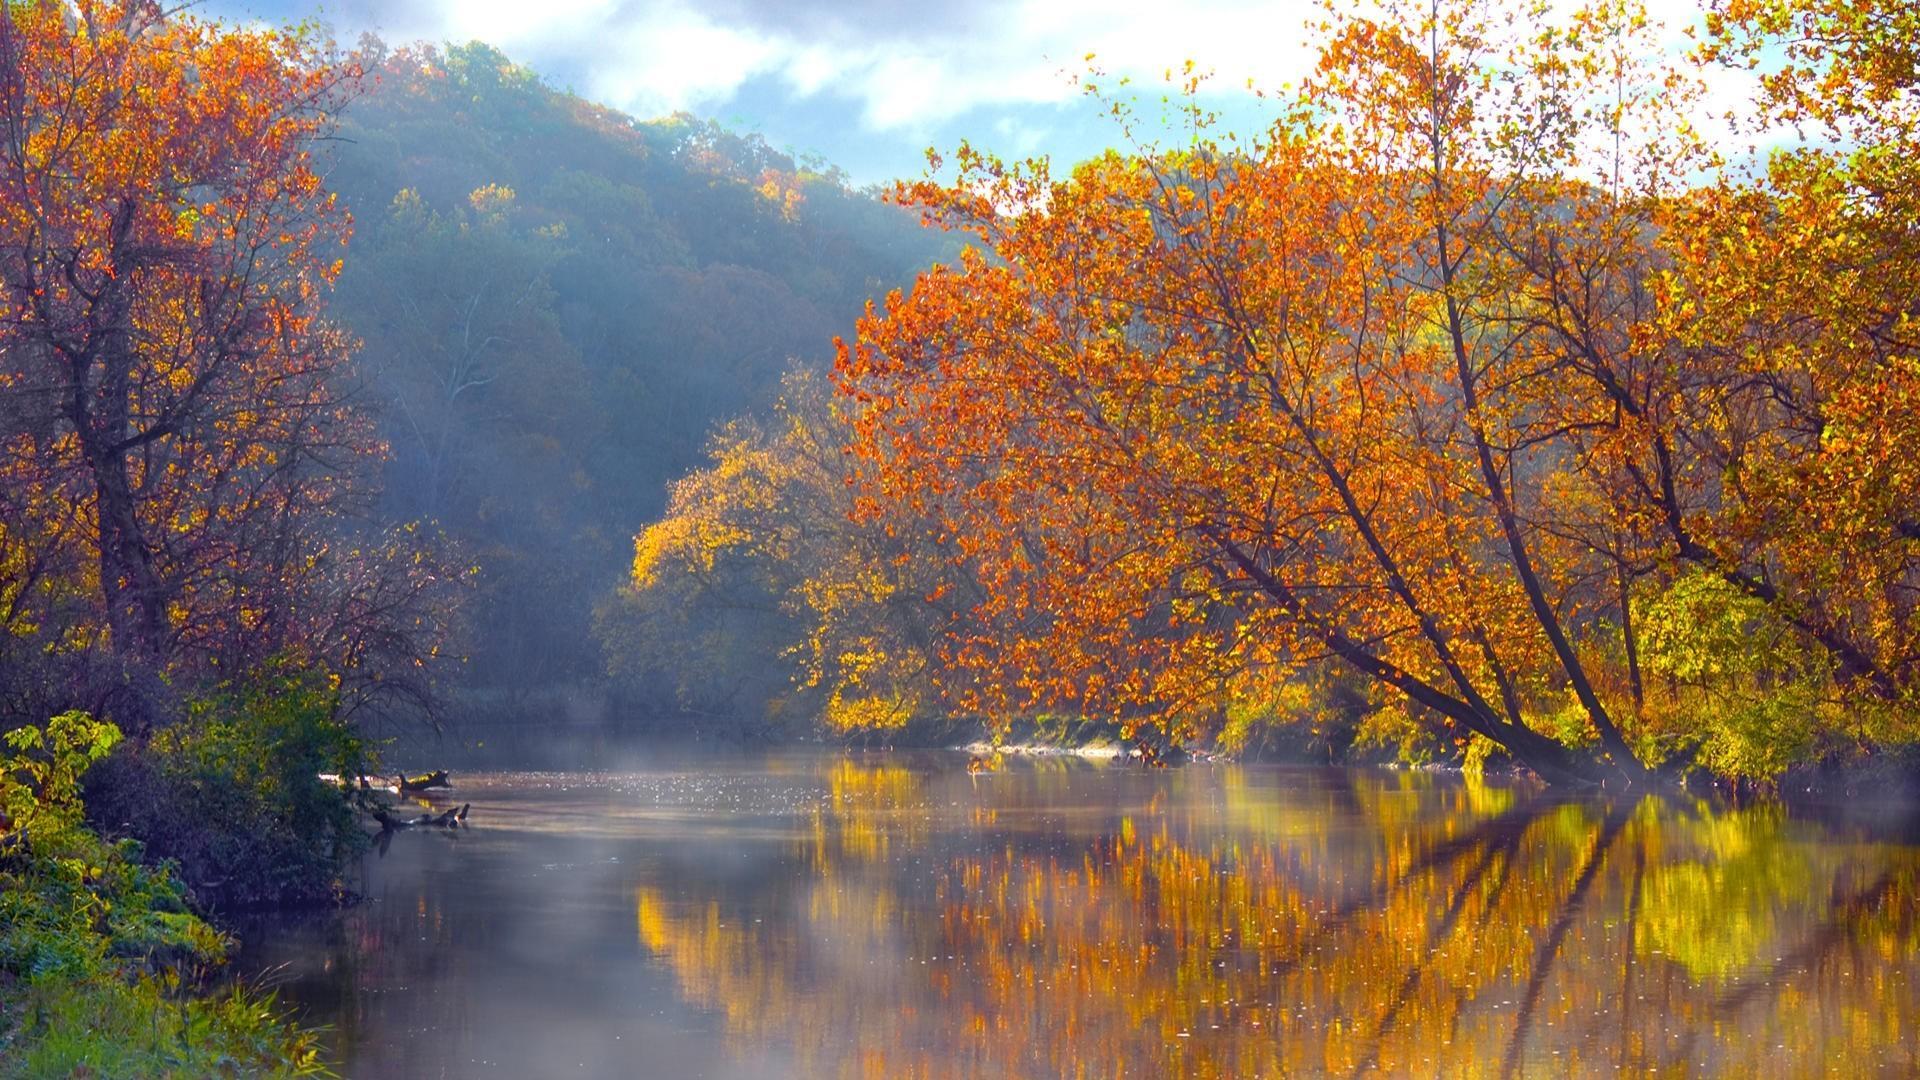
{"points": [[1389, 386], [177, 406], [1789, 312], [760, 595]]}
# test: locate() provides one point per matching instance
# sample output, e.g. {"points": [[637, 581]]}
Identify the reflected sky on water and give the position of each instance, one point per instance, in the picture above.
{"points": [[897, 916]]}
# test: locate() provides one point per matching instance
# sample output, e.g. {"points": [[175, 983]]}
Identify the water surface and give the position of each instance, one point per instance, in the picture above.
{"points": [[898, 916]]}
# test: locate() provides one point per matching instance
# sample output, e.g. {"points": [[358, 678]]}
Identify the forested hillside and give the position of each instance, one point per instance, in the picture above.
{"points": [[556, 303]]}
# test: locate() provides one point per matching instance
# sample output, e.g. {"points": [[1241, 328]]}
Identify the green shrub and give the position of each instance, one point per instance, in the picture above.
{"points": [[1739, 685], [145, 1029], [233, 795], [96, 946]]}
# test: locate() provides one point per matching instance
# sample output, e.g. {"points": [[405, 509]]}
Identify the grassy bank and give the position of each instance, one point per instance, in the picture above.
{"points": [[102, 960]]}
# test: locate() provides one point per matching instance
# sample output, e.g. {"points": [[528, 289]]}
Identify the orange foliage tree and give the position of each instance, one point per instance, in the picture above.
{"points": [[1787, 320], [1400, 385], [180, 417]]}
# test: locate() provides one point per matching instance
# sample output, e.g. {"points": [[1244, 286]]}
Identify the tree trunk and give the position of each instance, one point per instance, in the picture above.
{"points": [[1625, 760], [128, 584], [101, 415], [1553, 762]]}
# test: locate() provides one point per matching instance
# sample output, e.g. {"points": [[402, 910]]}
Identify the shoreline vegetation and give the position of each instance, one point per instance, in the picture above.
{"points": [[1892, 786], [105, 965]]}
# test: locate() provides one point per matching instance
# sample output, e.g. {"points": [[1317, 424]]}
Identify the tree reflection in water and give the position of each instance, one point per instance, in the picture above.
{"points": [[1219, 927]]}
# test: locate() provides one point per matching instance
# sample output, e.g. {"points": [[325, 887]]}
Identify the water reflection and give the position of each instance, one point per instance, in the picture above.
{"points": [[904, 918]]}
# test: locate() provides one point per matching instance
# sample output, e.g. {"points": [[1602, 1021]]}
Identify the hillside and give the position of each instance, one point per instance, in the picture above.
{"points": [[557, 302]]}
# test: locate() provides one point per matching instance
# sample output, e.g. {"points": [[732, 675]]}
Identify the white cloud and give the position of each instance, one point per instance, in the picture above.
{"points": [[907, 78], [673, 58], [1041, 45], [495, 21], [663, 55]]}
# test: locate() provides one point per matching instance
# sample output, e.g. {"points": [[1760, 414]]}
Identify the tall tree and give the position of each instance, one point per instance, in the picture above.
{"points": [[1396, 385], [176, 404]]}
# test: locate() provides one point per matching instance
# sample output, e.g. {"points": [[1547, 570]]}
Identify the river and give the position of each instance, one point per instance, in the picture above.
{"points": [[896, 915]]}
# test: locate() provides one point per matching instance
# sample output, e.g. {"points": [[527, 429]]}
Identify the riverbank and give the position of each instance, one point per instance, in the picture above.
{"points": [[490, 739], [105, 968]]}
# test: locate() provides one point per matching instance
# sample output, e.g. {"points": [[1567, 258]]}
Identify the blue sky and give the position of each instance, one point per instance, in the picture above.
{"points": [[867, 85]]}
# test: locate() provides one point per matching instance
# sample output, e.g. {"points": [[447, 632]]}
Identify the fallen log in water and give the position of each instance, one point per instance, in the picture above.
{"points": [[399, 785], [434, 779], [450, 818]]}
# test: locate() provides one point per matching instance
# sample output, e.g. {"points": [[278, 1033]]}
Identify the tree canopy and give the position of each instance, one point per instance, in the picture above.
{"points": [[1460, 377]]}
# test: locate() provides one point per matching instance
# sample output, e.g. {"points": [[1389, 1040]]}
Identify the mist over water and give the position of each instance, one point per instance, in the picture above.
{"points": [[896, 915]]}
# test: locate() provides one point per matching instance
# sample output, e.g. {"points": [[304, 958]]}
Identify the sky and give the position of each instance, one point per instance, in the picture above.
{"points": [[867, 85]]}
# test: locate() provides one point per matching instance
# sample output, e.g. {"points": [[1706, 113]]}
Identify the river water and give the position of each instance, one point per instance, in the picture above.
{"points": [[887, 915]]}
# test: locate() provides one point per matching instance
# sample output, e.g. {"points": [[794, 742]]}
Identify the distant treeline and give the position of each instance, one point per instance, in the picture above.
{"points": [[507, 319]]}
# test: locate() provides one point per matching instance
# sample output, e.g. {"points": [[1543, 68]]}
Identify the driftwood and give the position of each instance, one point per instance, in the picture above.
{"points": [[404, 785], [420, 782], [435, 779], [451, 818]]}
